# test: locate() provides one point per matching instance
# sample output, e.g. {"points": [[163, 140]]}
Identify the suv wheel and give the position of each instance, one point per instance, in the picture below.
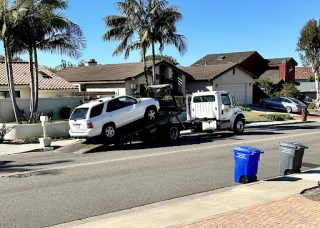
{"points": [[109, 131], [150, 114]]}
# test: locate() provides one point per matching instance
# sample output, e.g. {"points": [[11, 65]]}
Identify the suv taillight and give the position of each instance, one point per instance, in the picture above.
{"points": [[89, 124]]}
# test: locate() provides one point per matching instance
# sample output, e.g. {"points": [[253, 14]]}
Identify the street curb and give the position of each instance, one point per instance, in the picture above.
{"points": [[272, 124]]}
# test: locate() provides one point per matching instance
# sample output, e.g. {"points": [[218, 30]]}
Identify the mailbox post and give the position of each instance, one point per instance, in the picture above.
{"points": [[45, 141]]}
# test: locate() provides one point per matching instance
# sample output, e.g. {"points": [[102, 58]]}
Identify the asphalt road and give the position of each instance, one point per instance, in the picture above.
{"points": [[48, 188]]}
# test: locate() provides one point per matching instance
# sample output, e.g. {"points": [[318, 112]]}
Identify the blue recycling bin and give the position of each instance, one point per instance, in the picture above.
{"points": [[246, 163]]}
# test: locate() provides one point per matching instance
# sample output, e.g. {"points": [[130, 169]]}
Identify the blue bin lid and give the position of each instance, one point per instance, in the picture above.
{"points": [[247, 149]]}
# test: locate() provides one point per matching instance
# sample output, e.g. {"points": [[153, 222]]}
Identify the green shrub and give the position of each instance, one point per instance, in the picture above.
{"points": [[290, 90], [278, 117], [65, 112], [28, 140], [244, 108], [311, 105]]}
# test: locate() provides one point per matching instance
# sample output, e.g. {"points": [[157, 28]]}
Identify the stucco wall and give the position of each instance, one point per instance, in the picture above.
{"points": [[45, 104], [240, 77], [118, 88], [22, 131], [24, 90], [137, 81], [56, 93]]}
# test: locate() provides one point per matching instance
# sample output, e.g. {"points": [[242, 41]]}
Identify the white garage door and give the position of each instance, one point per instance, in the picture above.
{"points": [[236, 89]]}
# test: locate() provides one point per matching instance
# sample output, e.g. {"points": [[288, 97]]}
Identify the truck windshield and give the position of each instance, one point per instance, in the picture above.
{"points": [[79, 114]]}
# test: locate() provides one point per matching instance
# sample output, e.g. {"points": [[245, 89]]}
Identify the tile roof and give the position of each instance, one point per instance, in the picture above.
{"points": [[208, 72], [223, 58], [278, 60], [21, 75], [108, 72], [303, 72], [307, 87], [272, 75]]}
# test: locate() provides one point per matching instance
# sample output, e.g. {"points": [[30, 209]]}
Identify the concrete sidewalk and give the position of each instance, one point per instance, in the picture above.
{"points": [[249, 204], [15, 148]]}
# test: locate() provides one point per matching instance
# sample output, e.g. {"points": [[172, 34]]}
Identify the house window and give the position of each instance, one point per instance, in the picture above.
{"points": [[6, 94], [234, 70]]}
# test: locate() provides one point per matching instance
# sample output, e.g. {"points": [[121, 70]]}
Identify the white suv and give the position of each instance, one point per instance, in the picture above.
{"points": [[103, 116]]}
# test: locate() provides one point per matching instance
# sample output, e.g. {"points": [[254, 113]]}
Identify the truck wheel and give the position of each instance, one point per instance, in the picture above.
{"points": [[108, 132], [151, 114], [174, 133], [238, 126]]}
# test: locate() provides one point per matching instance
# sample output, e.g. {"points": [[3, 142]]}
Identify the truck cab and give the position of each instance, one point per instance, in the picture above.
{"points": [[214, 110]]}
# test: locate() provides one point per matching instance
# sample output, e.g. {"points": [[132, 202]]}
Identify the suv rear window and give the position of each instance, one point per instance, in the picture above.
{"points": [[79, 114], [96, 110]]}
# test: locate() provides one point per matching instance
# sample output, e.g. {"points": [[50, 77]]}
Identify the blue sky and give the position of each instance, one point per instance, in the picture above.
{"points": [[210, 26]]}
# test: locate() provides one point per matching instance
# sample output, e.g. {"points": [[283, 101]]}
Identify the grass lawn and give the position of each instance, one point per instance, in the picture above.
{"points": [[252, 117]]}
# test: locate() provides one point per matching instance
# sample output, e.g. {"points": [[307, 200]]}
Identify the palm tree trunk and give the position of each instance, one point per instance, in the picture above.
{"points": [[36, 94], [153, 65], [9, 71], [145, 67], [32, 89]]}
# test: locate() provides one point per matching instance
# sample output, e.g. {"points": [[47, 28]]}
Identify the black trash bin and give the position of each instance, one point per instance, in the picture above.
{"points": [[291, 155]]}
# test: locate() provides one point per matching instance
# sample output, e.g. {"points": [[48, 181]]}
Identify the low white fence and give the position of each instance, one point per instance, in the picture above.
{"points": [[45, 104], [22, 131]]}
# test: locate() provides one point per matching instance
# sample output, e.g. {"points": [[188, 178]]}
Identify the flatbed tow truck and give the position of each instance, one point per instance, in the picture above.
{"points": [[204, 112]]}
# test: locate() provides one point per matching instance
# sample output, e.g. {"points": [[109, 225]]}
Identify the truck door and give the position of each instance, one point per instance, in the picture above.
{"points": [[227, 108]]}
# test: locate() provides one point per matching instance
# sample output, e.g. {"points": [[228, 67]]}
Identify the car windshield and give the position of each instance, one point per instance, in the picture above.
{"points": [[79, 114]]}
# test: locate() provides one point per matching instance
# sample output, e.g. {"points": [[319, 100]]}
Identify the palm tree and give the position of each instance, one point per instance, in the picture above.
{"points": [[43, 27], [7, 31], [164, 19], [152, 21]]}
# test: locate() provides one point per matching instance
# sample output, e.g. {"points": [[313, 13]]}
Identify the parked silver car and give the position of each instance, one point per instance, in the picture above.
{"points": [[287, 104]]}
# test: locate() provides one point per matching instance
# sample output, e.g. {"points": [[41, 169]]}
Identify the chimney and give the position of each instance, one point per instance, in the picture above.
{"points": [[91, 62]]}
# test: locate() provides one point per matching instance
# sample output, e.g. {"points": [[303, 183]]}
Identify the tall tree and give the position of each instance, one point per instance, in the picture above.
{"points": [[7, 25], [43, 27], [124, 28], [163, 29], [152, 21], [166, 58], [309, 48]]}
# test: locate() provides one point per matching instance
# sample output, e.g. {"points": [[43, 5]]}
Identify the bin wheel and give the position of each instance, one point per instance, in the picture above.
{"points": [[244, 180], [287, 172], [297, 170]]}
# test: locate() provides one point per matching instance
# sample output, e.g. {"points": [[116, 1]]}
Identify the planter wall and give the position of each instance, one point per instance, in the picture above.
{"points": [[22, 131]]}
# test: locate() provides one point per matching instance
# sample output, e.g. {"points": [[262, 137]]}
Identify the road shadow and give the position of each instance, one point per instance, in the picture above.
{"points": [[185, 140], [285, 178], [11, 167]]}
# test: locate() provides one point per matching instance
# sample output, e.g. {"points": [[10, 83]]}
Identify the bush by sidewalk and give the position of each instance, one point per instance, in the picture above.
{"points": [[278, 117]]}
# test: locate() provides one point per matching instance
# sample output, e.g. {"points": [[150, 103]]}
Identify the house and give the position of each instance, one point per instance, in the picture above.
{"points": [[230, 77], [305, 87], [50, 84], [278, 70], [124, 78]]}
